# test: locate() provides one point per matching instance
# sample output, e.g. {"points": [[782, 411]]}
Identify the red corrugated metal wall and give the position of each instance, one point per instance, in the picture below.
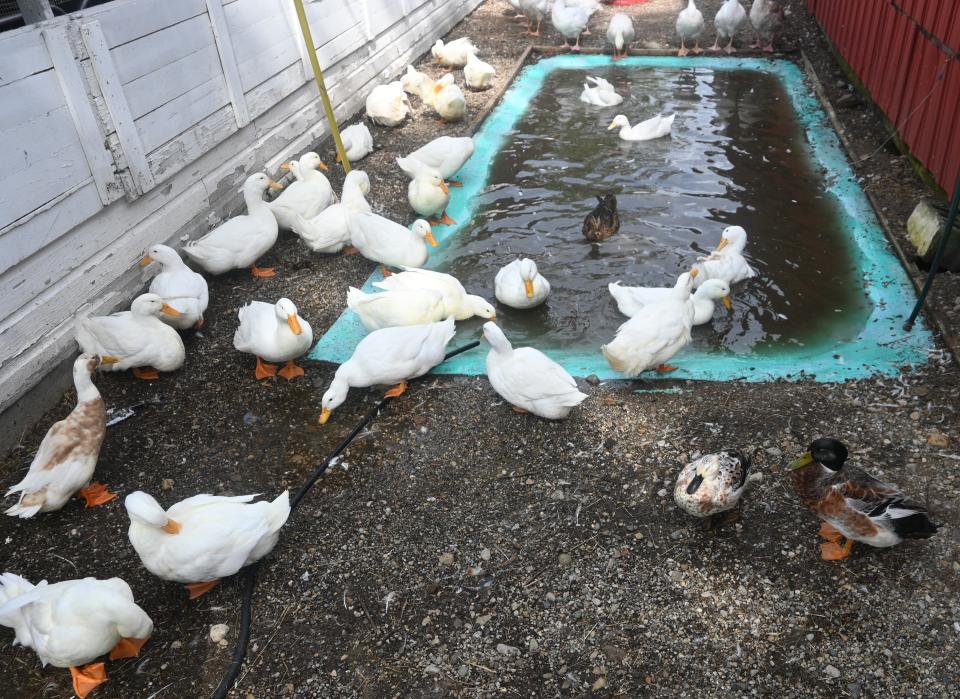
{"points": [[913, 80]]}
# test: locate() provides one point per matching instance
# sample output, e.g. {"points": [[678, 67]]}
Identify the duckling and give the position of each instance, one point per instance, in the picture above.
{"points": [[603, 221], [520, 285], [853, 505], [179, 286], [713, 484], [448, 100], [274, 332]]}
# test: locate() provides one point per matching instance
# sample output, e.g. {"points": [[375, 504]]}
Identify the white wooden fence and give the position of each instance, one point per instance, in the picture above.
{"points": [[135, 122]]}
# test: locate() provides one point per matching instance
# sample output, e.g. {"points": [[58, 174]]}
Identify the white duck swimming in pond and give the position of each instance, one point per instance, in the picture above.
{"points": [[392, 245], [600, 94], [310, 194], [448, 99], [390, 309], [455, 53], [73, 622], [357, 142], [387, 105], [654, 127], [179, 287], [329, 231], [389, 356], [730, 17], [727, 261], [68, 454], [428, 194], [528, 379], [273, 332], [456, 301], [569, 21], [655, 334], [205, 538], [520, 285], [535, 10], [713, 484], [690, 27], [477, 74], [444, 155], [631, 299], [620, 34], [136, 339], [240, 241]]}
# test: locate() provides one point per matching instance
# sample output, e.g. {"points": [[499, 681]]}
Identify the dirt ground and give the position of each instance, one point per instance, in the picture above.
{"points": [[459, 549]]}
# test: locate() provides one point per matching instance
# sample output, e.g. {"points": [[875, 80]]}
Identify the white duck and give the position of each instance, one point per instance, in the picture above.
{"points": [[329, 231], [205, 538], [389, 356], [68, 454], [448, 99], [240, 241], [357, 142], [444, 155], [417, 83], [381, 240], [136, 339], [600, 94], [620, 34], [427, 193], [569, 21], [387, 105], [655, 334], [631, 299], [456, 301], [528, 379], [478, 74], [654, 127], [767, 17], [74, 622], [730, 17], [276, 333], [390, 309], [455, 53], [179, 287], [520, 285], [690, 27], [534, 10], [310, 194], [726, 262]]}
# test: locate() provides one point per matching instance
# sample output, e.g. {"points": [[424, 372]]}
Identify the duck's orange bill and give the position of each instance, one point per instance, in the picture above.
{"points": [[727, 303], [724, 242], [528, 287], [431, 239], [444, 187], [694, 272], [171, 527], [284, 166], [324, 416], [146, 260], [109, 359], [294, 324], [275, 185], [170, 310]]}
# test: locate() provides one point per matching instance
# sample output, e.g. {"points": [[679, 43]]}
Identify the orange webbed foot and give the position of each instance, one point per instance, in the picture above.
{"points": [[264, 370], [829, 533], [290, 371], [664, 368], [201, 588], [454, 183], [145, 373], [396, 391], [522, 411], [95, 494], [445, 219], [350, 250], [385, 272], [832, 551], [261, 272], [198, 324], [127, 648], [88, 678]]}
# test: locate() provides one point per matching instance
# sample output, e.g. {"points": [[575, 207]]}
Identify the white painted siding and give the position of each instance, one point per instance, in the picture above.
{"points": [[129, 123]]}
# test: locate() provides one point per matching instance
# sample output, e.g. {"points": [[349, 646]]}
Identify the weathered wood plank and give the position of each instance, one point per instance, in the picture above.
{"points": [[176, 116], [35, 11], [166, 84], [179, 152], [46, 177], [148, 54], [228, 61], [268, 48], [23, 54], [24, 99], [123, 22], [242, 14]]}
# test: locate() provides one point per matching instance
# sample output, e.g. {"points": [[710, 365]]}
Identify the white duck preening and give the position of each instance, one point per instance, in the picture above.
{"points": [[520, 285], [387, 105], [205, 538], [631, 299], [528, 379], [136, 339], [730, 17], [357, 142], [456, 301], [654, 127], [478, 74], [427, 193], [726, 262], [179, 287], [570, 22], [381, 240], [600, 94], [534, 10], [73, 622], [275, 333], [68, 454], [240, 241], [655, 334], [416, 83], [444, 155], [389, 356], [307, 196], [389, 309], [329, 231], [455, 53], [690, 27], [620, 34], [448, 99]]}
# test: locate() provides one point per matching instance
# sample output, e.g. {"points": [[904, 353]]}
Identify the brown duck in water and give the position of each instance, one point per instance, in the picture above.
{"points": [[603, 221]]}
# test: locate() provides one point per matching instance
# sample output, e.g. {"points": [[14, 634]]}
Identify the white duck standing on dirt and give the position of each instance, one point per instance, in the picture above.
{"points": [[275, 333], [179, 286], [448, 99], [72, 623], [387, 105], [329, 231], [690, 26], [654, 127], [444, 155], [631, 299], [528, 379], [477, 74], [310, 194], [390, 356], [381, 240], [600, 93], [240, 241], [357, 142], [456, 301], [620, 34], [68, 454], [534, 10], [136, 339], [730, 18], [520, 284], [713, 484], [455, 53], [427, 193], [570, 22], [205, 538], [726, 262]]}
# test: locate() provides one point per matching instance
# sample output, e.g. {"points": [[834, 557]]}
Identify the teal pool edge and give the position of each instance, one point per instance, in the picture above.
{"points": [[882, 348]]}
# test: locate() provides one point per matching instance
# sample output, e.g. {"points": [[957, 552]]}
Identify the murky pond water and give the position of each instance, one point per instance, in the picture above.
{"points": [[736, 157]]}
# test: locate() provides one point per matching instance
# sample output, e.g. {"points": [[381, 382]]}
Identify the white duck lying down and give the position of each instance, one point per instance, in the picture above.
{"points": [[713, 484], [528, 379], [74, 622], [274, 332], [478, 74], [455, 53], [357, 142], [600, 93], [444, 155], [68, 454], [631, 299], [205, 538], [179, 286], [654, 127], [381, 240], [387, 105]]}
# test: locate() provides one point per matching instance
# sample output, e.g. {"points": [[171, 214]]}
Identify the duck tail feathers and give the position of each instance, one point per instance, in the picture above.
{"points": [[911, 521], [280, 510]]}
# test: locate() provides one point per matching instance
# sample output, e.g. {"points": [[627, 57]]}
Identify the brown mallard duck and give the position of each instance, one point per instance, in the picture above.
{"points": [[603, 221]]}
